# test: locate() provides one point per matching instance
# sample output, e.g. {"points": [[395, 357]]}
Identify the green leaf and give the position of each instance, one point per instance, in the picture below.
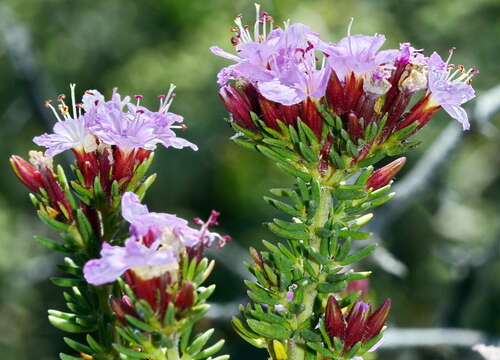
{"points": [[66, 282], [359, 255], [307, 131], [66, 325], [350, 192], [287, 234], [52, 223], [262, 299], [282, 206], [310, 335], [372, 160], [290, 169], [141, 190], [247, 334], [249, 144], [199, 342], [77, 346], [337, 159], [271, 154], [85, 228], [308, 154], [329, 288], [94, 344], [363, 177], [269, 331], [140, 324], [53, 245], [210, 350], [131, 353], [321, 350], [355, 235]]}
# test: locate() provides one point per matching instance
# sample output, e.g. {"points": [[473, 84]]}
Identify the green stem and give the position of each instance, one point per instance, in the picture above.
{"points": [[295, 351]]}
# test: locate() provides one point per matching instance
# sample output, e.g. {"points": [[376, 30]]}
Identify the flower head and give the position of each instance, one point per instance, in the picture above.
{"points": [[358, 54], [282, 65], [450, 87], [70, 132], [115, 122], [129, 126]]}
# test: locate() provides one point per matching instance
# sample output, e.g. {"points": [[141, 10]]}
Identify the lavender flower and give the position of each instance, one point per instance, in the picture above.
{"points": [[119, 122], [143, 221], [282, 65], [147, 262], [70, 132], [115, 122], [358, 54], [168, 227], [153, 248], [450, 89]]}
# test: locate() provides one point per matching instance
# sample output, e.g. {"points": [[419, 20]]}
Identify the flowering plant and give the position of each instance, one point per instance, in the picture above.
{"points": [[326, 113], [134, 287]]}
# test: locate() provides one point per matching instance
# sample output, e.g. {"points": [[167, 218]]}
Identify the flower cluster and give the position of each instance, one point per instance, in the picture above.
{"points": [[110, 138], [150, 257], [289, 73], [147, 277]]}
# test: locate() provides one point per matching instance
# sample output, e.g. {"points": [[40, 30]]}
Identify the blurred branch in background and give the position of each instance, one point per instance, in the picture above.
{"points": [[17, 40]]}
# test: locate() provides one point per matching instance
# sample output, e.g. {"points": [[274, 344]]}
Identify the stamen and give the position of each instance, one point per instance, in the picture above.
{"points": [[256, 32], [450, 54], [138, 98], [349, 27], [73, 102], [48, 104]]}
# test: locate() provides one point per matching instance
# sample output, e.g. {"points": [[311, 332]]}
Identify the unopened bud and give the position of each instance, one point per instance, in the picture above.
{"points": [[185, 297], [25, 172], [334, 319], [384, 175], [377, 320]]}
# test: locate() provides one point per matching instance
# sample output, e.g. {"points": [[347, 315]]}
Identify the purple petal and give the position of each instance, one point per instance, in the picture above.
{"points": [[219, 52], [459, 114], [275, 91], [115, 260]]}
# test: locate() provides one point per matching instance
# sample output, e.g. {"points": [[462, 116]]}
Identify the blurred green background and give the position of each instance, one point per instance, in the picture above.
{"points": [[446, 239]]}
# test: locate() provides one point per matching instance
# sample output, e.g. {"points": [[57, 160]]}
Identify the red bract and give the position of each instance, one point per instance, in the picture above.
{"points": [[358, 326]]}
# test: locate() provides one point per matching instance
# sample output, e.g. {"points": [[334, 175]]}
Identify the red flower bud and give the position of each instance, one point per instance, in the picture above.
{"points": [[122, 307], [270, 112], [28, 175], [353, 125], [377, 320], [238, 105], [312, 117], [334, 319], [185, 297], [335, 94], [356, 323], [384, 175]]}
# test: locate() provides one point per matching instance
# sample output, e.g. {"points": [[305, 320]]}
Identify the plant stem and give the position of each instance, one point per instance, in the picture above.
{"points": [[295, 351]]}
